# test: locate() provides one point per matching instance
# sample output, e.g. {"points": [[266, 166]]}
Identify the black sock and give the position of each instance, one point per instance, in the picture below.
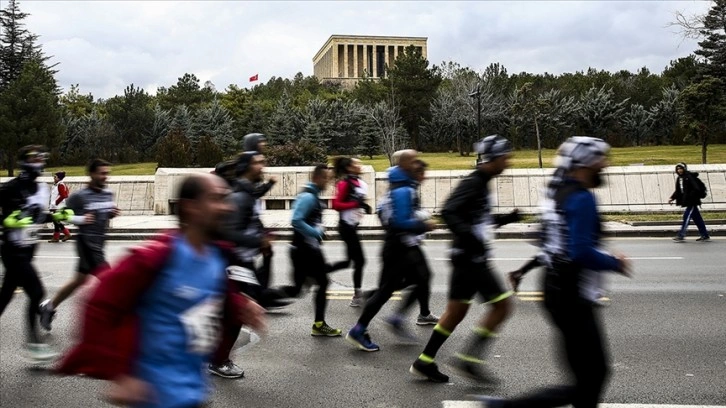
{"points": [[438, 337], [477, 345]]}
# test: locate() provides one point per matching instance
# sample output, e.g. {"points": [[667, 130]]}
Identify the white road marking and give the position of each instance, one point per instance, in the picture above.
{"points": [[477, 404], [636, 258]]}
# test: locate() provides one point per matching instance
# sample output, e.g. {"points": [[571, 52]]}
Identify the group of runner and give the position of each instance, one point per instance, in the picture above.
{"points": [[149, 324]]}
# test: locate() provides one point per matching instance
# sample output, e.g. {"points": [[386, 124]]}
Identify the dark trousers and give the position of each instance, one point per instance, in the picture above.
{"points": [[692, 213], [581, 339], [19, 272], [416, 274], [400, 269], [349, 235], [230, 332], [309, 263]]}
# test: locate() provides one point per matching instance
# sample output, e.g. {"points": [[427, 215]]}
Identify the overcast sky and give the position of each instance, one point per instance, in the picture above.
{"points": [[106, 45]]}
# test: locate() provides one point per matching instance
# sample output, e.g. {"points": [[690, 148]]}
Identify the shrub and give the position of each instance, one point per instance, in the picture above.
{"points": [[301, 153]]}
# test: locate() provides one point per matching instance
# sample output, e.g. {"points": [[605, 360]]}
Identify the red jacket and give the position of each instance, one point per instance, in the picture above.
{"points": [[342, 201], [109, 335]]}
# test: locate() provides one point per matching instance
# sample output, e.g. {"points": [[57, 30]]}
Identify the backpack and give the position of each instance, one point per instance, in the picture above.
{"points": [[700, 187], [384, 208]]}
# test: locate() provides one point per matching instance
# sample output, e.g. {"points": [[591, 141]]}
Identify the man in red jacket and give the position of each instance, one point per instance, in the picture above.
{"points": [[154, 320]]}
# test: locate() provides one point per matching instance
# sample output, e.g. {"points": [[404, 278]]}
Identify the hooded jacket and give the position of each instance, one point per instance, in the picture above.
{"points": [[243, 227], [686, 194], [405, 202], [110, 338]]}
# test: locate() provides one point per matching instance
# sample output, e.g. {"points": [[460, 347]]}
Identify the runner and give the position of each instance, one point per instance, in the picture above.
{"points": [[401, 253], [242, 228], [573, 258], [349, 201], [93, 208], [306, 253], [24, 203], [467, 213], [154, 320]]}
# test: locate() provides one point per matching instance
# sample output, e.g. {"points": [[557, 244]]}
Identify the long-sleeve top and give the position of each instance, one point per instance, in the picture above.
{"points": [[306, 204]]}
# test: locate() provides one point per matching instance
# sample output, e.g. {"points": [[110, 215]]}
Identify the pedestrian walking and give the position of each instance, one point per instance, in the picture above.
{"points": [[58, 195], [689, 192]]}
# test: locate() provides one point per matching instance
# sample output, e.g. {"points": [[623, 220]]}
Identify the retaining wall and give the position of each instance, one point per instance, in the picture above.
{"points": [[626, 189]]}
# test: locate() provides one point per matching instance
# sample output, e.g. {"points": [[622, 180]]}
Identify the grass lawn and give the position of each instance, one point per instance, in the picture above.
{"points": [[135, 169], [622, 156]]}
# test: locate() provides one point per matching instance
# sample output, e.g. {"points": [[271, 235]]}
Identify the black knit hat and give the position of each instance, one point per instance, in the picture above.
{"points": [[682, 165], [243, 162]]}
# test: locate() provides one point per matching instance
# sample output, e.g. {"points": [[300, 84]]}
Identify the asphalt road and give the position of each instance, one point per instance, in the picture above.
{"points": [[666, 330]]}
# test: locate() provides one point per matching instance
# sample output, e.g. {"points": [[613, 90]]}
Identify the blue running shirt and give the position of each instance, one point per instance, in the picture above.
{"points": [[179, 320]]}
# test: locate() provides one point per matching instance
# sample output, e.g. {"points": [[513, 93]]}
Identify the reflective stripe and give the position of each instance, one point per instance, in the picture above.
{"points": [[484, 332], [500, 297], [442, 330], [469, 359], [426, 359]]}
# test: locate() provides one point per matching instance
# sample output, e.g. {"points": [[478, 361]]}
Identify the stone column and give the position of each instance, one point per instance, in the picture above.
{"points": [[345, 60], [334, 63], [374, 72], [395, 53], [356, 59], [385, 58], [365, 60]]}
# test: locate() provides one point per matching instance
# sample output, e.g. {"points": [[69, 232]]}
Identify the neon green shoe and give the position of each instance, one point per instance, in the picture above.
{"points": [[325, 330]]}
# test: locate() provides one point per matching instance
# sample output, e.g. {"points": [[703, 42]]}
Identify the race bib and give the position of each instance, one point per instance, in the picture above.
{"points": [[202, 324], [24, 237]]}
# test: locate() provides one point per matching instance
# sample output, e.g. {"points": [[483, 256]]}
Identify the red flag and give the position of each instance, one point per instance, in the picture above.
{"points": [[254, 78]]}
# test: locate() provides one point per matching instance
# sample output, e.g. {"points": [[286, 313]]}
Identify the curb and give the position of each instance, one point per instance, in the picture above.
{"points": [[285, 234]]}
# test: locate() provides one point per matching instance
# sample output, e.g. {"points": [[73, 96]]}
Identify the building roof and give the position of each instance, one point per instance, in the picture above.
{"points": [[363, 37]]}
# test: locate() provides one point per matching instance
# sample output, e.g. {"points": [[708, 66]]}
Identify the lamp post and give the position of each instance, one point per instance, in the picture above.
{"points": [[476, 93]]}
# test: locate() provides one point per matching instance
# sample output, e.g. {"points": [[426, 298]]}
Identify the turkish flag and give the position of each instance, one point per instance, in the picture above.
{"points": [[254, 78]]}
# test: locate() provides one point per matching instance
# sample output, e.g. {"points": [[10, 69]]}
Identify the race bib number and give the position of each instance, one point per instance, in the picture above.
{"points": [[202, 324], [24, 237]]}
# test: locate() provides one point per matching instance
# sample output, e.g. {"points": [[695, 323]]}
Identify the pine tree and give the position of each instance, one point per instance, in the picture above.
{"points": [[216, 122], [370, 142], [283, 121], [713, 46]]}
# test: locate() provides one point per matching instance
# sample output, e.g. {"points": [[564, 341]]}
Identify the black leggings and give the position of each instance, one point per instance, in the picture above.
{"points": [[415, 273], [349, 234], [401, 268], [582, 342], [19, 271], [308, 262]]}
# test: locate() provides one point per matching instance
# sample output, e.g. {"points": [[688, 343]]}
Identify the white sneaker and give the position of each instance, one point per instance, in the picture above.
{"points": [[39, 353]]}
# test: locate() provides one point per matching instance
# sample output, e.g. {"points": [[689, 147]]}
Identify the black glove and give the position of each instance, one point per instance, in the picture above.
{"points": [[513, 216], [367, 208]]}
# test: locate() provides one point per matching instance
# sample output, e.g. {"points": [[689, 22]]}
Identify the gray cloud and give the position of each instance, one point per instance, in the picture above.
{"points": [[106, 45]]}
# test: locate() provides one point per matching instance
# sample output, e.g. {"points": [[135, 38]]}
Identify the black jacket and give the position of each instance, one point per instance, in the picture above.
{"points": [[688, 195], [468, 206]]}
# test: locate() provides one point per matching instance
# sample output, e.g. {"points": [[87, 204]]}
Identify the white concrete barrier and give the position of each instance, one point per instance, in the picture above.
{"points": [[626, 189], [134, 195]]}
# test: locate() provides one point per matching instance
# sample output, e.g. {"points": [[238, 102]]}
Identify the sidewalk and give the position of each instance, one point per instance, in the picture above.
{"points": [[137, 227]]}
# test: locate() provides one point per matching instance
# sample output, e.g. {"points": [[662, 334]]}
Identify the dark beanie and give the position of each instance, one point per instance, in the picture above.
{"points": [[682, 165], [61, 175], [243, 162]]}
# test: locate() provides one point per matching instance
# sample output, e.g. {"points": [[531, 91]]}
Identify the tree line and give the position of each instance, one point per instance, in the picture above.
{"points": [[419, 105]]}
